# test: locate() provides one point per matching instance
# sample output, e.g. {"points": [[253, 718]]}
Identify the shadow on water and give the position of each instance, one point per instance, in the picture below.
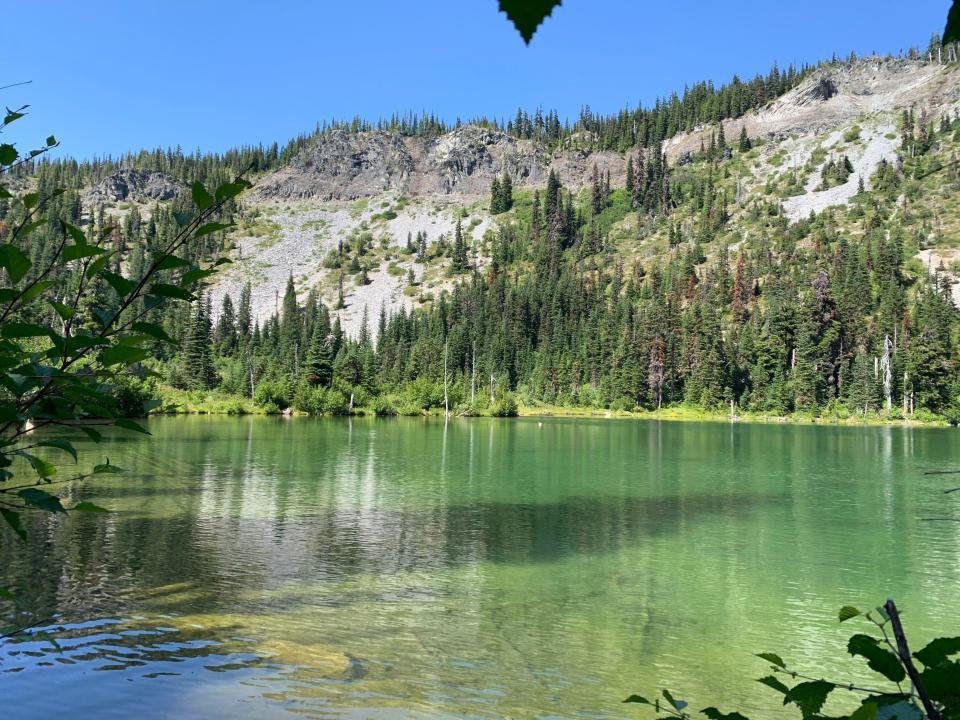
{"points": [[106, 560]]}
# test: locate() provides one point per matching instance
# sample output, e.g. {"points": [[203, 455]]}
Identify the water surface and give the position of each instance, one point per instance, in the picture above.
{"points": [[365, 568]]}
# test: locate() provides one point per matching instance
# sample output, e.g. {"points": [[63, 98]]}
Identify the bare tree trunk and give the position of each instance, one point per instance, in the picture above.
{"points": [[885, 363], [933, 713], [446, 396]]}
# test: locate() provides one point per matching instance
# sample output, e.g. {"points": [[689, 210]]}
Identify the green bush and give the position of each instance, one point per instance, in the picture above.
{"points": [[134, 397], [274, 392], [623, 404], [505, 406], [383, 407]]}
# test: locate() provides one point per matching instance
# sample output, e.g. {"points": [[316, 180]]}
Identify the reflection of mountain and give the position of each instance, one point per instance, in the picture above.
{"points": [[515, 568]]}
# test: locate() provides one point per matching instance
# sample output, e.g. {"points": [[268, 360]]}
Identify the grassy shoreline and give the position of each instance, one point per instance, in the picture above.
{"points": [[178, 402]]}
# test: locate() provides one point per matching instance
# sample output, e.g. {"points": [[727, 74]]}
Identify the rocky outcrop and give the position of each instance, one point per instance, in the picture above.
{"points": [[139, 185], [340, 165]]}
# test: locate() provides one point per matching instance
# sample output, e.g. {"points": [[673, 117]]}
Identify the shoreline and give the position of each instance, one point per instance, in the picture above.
{"points": [[215, 404]]}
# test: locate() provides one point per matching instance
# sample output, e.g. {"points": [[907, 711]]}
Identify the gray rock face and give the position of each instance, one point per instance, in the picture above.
{"points": [[344, 166], [137, 185]]}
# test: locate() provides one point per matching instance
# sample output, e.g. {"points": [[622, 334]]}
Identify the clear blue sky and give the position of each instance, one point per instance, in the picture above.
{"points": [[111, 76]]}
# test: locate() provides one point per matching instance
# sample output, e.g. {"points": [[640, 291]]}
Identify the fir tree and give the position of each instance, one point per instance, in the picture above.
{"points": [[459, 263]]}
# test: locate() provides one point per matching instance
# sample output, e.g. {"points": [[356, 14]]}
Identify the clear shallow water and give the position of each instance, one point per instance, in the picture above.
{"points": [[261, 567]]}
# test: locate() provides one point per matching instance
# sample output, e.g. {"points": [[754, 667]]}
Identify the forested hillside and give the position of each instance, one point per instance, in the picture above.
{"points": [[775, 247]]}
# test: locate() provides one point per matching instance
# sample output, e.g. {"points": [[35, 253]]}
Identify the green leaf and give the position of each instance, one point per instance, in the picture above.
{"points": [[44, 469], [90, 433], [23, 330], [14, 262], [898, 709], [13, 520], [76, 252], [231, 190], [104, 316], [34, 290], [30, 227], [867, 711], [190, 277], [64, 445], [169, 262], [40, 499], [8, 153], [123, 355], [170, 291], [97, 265], [879, 659], [107, 468], [526, 15], [51, 141], [772, 658], [201, 198], [771, 681], [183, 218], [74, 232], [119, 283], [153, 330], [88, 507], [951, 33], [639, 699], [30, 200], [847, 612], [130, 425], [677, 704], [211, 228], [809, 696], [714, 714], [64, 311], [937, 651], [8, 412], [942, 683]]}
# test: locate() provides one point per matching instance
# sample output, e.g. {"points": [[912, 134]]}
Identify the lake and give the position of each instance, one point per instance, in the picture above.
{"points": [[395, 568]]}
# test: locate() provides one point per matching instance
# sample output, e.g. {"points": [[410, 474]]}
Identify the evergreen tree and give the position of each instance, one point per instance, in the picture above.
{"points": [[506, 193], [460, 262], [496, 197], [198, 372]]}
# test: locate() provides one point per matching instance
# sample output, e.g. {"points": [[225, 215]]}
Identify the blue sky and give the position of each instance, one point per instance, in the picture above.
{"points": [[110, 76]]}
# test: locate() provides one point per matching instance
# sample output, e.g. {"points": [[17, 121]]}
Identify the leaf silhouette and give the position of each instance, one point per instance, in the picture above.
{"points": [[526, 15], [950, 34]]}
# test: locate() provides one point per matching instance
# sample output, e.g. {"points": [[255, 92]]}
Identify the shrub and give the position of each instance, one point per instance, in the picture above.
{"points": [[274, 392], [383, 407], [134, 397], [505, 406]]}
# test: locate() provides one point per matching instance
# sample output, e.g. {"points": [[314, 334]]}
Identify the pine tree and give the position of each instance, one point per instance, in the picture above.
{"points": [[319, 367], [745, 145], [245, 312], [630, 175], [198, 372], [506, 193], [496, 197], [459, 263], [225, 334]]}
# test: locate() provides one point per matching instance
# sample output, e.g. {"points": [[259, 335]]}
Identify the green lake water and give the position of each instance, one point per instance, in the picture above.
{"points": [[407, 568]]}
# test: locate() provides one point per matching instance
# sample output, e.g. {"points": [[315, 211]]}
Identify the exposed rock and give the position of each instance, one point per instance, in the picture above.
{"points": [[139, 185], [340, 165], [823, 89]]}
